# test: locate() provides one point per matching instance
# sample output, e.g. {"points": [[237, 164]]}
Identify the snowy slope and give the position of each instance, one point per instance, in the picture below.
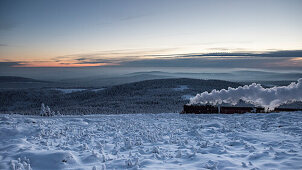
{"points": [[152, 141]]}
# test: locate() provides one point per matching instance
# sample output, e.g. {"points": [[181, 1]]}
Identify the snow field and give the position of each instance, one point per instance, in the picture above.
{"points": [[152, 141]]}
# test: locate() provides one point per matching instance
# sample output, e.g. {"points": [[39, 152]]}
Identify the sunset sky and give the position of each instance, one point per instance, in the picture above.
{"points": [[264, 34]]}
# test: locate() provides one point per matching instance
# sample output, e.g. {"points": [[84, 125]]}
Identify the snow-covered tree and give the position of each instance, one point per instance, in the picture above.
{"points": [[43, 110], [46, 111]]}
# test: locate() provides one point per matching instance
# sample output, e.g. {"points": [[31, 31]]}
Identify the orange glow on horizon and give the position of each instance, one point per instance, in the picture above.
{"points": [[297, 59], [63, 65]]}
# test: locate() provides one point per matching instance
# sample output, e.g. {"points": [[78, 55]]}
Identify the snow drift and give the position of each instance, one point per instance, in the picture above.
{"points": [[269, 98], [151, 141]]}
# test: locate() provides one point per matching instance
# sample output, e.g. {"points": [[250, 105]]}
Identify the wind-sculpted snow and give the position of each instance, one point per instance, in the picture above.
{"points": [[268, 98], [152, 141]]}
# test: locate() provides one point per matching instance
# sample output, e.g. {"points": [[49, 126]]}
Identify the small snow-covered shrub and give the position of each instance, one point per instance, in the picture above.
{"points": [[20, 164], [46, 111]]}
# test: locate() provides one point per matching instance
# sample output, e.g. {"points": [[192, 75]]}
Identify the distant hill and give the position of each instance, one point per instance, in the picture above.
{"points": [[239, 76], [101, 81], [15, 79], [14, 82], [267, 78]]}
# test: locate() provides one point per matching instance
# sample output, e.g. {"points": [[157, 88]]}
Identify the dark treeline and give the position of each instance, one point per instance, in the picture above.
{"points": [[150, 96]]}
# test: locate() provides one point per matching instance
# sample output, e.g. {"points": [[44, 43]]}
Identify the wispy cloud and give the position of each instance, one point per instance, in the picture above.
{"points": [[281, 53], [280, 63], [9, 64], [267, 54], [266, 59], [166, 58], [112, 57]]}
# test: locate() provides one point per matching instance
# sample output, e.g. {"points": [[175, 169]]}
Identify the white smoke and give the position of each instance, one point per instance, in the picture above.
{"points": [[269, 98]]}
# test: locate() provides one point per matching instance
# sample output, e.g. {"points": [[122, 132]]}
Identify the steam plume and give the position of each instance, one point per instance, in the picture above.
{"points": [[269, 98]]}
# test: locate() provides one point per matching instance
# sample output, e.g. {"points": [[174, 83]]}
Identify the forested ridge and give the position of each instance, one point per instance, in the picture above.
{"points": [[150, 96]]}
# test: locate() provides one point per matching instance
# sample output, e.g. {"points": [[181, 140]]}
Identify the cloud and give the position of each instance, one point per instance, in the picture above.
{"points": [[10, 64], [241, 62], [96, 61], [281, 53], [113, 57], [282, 59], [267, 54], [165, 58]]}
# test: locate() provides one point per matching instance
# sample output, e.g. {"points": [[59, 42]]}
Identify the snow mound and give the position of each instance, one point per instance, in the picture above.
{"points": [[49, 159]]}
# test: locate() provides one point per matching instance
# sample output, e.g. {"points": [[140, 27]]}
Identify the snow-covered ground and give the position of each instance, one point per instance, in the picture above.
{"points": [[181, 88], [152, 141], [66, 91]]}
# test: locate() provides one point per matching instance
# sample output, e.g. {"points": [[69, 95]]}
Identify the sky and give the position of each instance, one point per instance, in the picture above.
{"points": [[258, 34]]}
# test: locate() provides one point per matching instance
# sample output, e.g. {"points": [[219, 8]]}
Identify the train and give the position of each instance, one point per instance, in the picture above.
{"points": [[210, 109]]}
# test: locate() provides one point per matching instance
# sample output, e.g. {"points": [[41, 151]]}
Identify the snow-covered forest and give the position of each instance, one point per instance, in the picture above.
{"points": [[60, 128], [151, 96]]}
